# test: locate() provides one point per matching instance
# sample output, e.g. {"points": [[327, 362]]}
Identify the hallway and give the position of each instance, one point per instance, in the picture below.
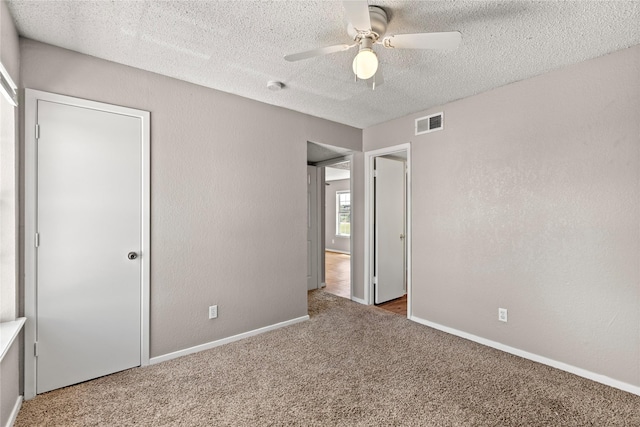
{"points": [[338, 281], [338, 274]]}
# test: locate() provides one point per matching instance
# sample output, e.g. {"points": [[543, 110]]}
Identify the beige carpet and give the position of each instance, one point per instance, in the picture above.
{"points": [[348, 365]]}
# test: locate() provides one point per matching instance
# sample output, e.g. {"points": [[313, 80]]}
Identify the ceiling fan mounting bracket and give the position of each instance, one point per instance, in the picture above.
{"points": [[379, 21]]}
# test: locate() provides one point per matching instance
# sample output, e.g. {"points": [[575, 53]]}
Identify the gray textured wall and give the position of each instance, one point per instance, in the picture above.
{"points": [[529, 200], [357, 225], [9, 51], [333, 242], [227, 181]]}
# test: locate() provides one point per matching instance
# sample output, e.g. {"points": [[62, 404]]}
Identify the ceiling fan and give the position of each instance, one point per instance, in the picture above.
{"points": [[367, 26]]}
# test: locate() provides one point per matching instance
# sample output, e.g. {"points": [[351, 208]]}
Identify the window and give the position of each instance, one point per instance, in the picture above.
{"points": [[9, 198], [343, 213]]}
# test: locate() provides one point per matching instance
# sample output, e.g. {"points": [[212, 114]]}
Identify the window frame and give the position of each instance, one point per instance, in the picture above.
{"points": [[9, 221], [339, 212]]}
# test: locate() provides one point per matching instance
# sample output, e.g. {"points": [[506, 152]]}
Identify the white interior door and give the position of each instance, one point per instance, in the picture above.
{"points": [[312, 228], [389, 229], [89, 207]]}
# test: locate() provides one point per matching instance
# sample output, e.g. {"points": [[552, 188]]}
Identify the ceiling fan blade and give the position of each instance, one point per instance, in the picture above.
{"points": [[357, 12], [446, 41], [377, 79], [318, 52]]}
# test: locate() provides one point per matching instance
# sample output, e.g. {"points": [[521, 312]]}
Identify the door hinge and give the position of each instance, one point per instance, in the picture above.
{"points": [[35, 349], [37, 131], [375, 173], [37, 240]]}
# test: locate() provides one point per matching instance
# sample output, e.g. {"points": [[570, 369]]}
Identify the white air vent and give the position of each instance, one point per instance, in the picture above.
{"points": [[430, 123]]}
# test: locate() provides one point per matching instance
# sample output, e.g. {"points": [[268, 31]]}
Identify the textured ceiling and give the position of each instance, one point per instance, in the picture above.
{"points": [[317, 152], [237, 46]]}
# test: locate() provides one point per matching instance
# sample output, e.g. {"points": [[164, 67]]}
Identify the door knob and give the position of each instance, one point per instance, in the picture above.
{"points": [[132, 255], [402, 237]]}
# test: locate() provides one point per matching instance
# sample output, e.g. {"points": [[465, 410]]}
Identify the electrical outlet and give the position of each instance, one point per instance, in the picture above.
{"points": [[502, 314], [213, 312]]}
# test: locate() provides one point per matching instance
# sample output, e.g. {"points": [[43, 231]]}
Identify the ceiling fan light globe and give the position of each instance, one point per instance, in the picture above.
{"points": [[365, 64]]}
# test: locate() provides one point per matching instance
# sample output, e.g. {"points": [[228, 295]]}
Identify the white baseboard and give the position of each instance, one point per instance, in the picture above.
{"points": [[603, 379], [14, 412], [359, 301], [223, 341]]}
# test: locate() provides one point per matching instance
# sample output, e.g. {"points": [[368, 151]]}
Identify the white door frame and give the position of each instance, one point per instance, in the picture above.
{"points": [[325, 163], [369, 250], [30, 120], [318, 257]]}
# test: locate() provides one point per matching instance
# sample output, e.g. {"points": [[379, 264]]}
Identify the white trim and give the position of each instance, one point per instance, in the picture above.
{"points": [[337, 214], [30, 120], [11, 97], [9, 331], [319, 225], [217, 343], [369, 252], [409, 233], [14, 412], [358, 300], [145, 251], [602, 379], [344, 159]]}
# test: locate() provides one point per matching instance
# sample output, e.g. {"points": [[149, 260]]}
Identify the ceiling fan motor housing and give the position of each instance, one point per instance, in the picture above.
{"points": [[379, 22]]}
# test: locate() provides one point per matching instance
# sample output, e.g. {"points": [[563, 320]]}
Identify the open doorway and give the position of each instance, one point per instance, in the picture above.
{"points": [[338, 264], [337, 226], [388, 231]]}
